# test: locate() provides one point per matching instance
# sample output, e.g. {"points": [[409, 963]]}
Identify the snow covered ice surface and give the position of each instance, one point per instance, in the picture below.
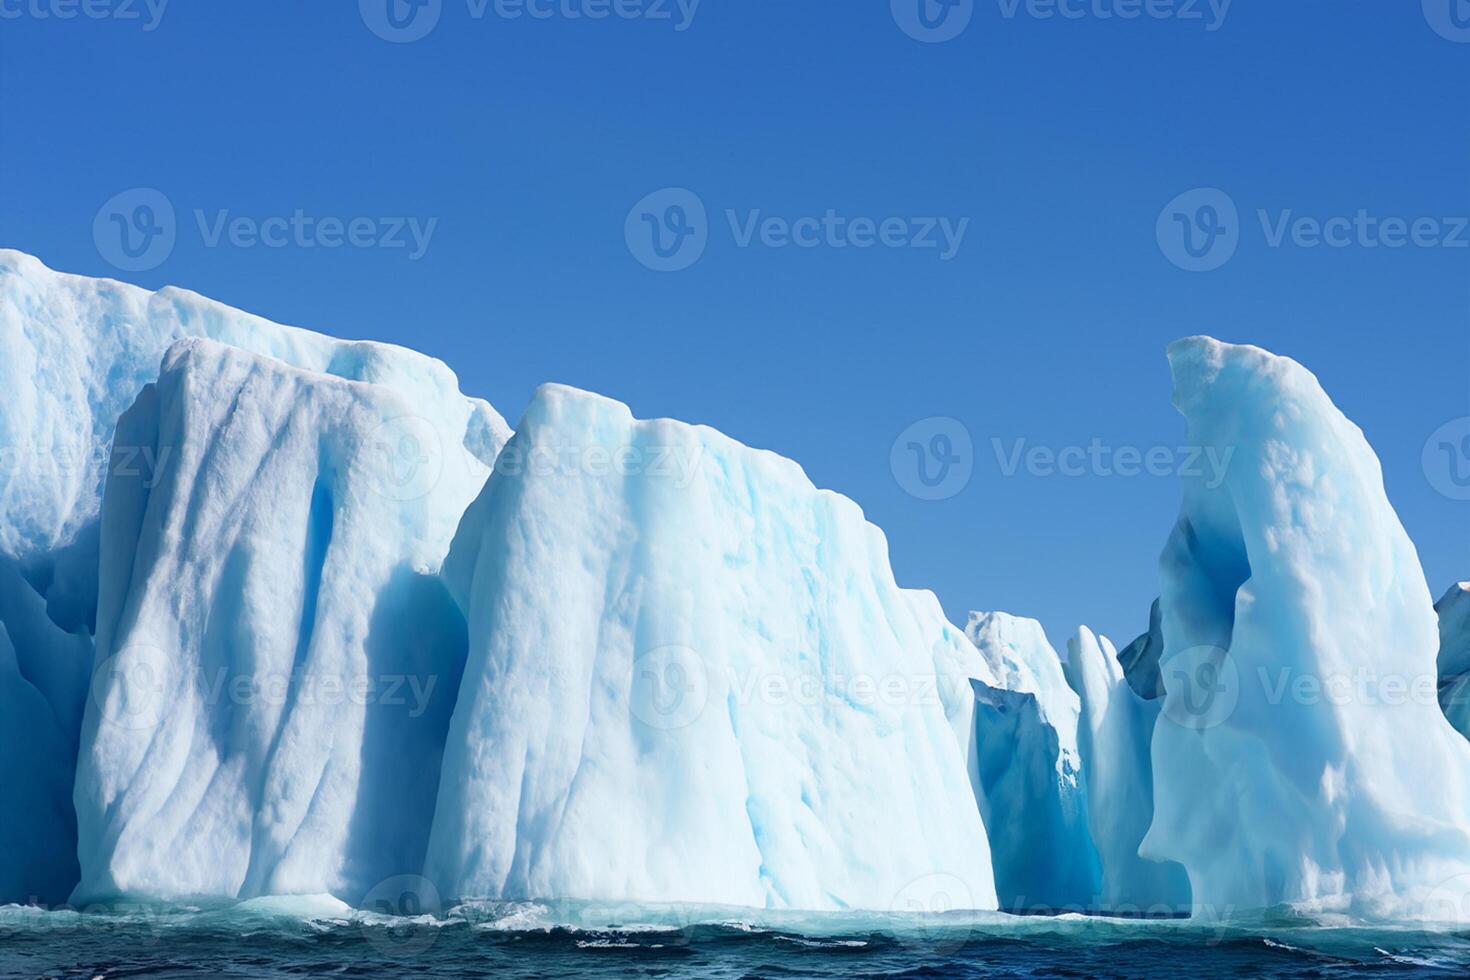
{"points": [[692, 678], [1033, 792], [274, 725], [74, 354], [1298, 757]]}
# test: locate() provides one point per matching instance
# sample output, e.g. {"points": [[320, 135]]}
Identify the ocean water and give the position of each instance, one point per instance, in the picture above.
{"points": [[301, 937]]}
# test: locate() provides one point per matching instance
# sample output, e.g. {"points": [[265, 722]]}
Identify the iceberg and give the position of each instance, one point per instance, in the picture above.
{"points": [[1033, 794], [1114, 736], [1453, 611], [278, 659], [692, 679], [75, 353], [1300, 755]]}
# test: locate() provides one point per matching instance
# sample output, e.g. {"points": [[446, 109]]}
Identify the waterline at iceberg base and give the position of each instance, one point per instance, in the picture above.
{"points": [[290, 627]]}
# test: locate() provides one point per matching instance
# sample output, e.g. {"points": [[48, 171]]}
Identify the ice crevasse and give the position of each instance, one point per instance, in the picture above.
{"points": [[1033, 791]]}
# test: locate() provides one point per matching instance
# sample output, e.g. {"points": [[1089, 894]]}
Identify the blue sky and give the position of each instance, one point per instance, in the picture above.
{"points": [[1047, 138]]}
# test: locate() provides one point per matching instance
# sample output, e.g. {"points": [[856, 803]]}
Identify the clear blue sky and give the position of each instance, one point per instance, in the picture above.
{"points": [[1060, 139]]}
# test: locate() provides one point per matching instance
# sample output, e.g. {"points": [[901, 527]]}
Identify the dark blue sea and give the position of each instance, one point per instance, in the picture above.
{"points": [[293, 938]]}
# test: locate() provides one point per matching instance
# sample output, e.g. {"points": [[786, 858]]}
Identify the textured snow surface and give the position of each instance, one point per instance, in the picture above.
{"points": [[273, 727], [76, 351], [74, 355], [1115, 731], [692, 678], [1033, 794], [1300, 755]]}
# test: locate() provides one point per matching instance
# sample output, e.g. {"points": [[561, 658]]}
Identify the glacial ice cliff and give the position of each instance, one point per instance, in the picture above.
{"points": [[74, 355], [692, 678], [274, 727], [1300, 755]]}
